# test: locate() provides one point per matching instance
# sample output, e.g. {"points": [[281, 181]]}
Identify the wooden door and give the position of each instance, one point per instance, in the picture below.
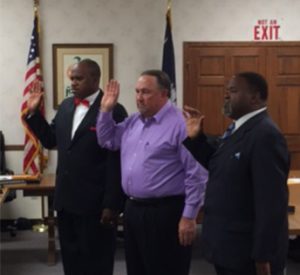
{"points": [[206, 73], [209, 66], [283, 73]]}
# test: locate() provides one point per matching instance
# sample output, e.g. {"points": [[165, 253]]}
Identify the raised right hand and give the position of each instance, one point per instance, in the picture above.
{"points": [[194, 121], [110, 97], [35, 98]]}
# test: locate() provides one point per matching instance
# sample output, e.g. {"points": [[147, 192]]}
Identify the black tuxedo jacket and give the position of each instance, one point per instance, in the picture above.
{"points": [[87, 176], [245, 210]]}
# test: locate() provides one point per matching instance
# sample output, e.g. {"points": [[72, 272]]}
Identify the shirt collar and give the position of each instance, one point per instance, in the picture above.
{"points": [[159, 115], [91, 99], [245, 118]]}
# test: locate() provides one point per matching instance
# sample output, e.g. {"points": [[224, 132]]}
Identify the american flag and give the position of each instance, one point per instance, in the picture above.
{"points": [[168, 65], [33, 81]]}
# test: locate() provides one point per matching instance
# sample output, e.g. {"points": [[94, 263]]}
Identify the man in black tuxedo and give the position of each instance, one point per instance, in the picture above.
{"points": [[245, 229], [88, 193]]}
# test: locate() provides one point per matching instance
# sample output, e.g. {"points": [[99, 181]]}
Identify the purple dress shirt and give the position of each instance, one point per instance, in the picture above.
{"points": [[154, 162]]}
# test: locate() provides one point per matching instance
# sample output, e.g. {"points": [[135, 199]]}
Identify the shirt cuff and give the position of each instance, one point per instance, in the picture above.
{"points": [[105, 116], [190, 211]]}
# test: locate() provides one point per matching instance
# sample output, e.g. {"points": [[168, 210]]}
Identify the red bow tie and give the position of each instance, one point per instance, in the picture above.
{"points": [[78, 101]]}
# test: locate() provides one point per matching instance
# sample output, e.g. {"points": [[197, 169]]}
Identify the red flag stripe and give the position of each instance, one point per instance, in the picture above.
{"points": [[32, 71]]}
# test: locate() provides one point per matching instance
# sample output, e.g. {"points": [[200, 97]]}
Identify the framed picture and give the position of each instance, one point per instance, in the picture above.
{"points": [[66, 55]]}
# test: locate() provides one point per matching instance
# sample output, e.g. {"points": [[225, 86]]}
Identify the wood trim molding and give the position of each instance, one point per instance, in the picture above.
{"points": [[18, 147], [241, 43], [14, 147]]}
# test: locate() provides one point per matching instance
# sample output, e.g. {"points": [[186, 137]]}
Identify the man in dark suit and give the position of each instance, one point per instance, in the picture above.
{"points": [[88, 191], [245, 229]]}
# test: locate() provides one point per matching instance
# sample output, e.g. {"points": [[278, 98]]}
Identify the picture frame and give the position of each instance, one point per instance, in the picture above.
{"points": [[66, 55]]}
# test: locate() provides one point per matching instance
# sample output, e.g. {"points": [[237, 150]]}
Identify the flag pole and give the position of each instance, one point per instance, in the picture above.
{"points": [[36, 5], [42, 227], [36, 15], [33, 82], [168, 62]]}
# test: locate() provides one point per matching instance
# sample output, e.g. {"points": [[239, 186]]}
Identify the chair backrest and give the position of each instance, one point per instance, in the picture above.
{"points": [[3, 169]]}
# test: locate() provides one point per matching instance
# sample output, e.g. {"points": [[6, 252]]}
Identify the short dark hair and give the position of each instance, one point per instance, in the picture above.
{"points": [[163, 80], [93, 67], [256, 82]]}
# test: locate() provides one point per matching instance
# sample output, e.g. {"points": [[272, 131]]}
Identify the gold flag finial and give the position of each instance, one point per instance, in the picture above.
{"points": [[169, 4], [168, 14], [35, 5]]}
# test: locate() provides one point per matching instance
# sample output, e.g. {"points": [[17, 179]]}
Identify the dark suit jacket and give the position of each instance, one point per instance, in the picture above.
{"points": [[87, 176], [245, 210]]}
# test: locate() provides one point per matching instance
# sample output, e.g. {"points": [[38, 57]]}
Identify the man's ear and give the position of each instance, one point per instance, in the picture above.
{"points": [[255, 99], [165, 92], [97, 82]]}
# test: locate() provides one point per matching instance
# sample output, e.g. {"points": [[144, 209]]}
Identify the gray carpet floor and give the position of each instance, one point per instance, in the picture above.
{"points": [[27, 254]]}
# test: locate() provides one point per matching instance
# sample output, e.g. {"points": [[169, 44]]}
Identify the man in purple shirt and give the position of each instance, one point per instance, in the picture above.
{"points": [[162, 180]]}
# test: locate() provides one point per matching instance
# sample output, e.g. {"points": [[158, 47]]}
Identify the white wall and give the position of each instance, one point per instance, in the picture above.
{"points": [[135, 27]]}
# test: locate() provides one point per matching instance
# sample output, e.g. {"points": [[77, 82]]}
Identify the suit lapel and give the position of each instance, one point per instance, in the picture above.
{"points": [[88, 119], [240, 133], [68, 119]]}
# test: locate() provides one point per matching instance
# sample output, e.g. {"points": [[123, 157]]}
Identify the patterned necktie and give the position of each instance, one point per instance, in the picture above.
{"points": [[228, 131], [78, 101]]}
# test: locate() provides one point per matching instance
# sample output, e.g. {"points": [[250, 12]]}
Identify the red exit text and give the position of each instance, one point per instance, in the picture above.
{"points": [[266, 30]]}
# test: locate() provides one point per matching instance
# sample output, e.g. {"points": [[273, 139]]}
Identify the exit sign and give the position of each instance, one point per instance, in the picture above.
{"points": [[265, 30]]}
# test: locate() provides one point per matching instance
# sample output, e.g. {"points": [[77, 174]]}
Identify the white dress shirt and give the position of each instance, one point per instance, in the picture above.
{"points": [[81, 111], [245, 118]]}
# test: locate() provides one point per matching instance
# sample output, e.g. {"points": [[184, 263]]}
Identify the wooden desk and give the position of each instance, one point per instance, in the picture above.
{"points": [[44, 188]]}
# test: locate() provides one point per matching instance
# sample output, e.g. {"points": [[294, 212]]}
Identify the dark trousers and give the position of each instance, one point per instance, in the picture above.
{"points": [[151, 238], [87, 247], [249, 270]]}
